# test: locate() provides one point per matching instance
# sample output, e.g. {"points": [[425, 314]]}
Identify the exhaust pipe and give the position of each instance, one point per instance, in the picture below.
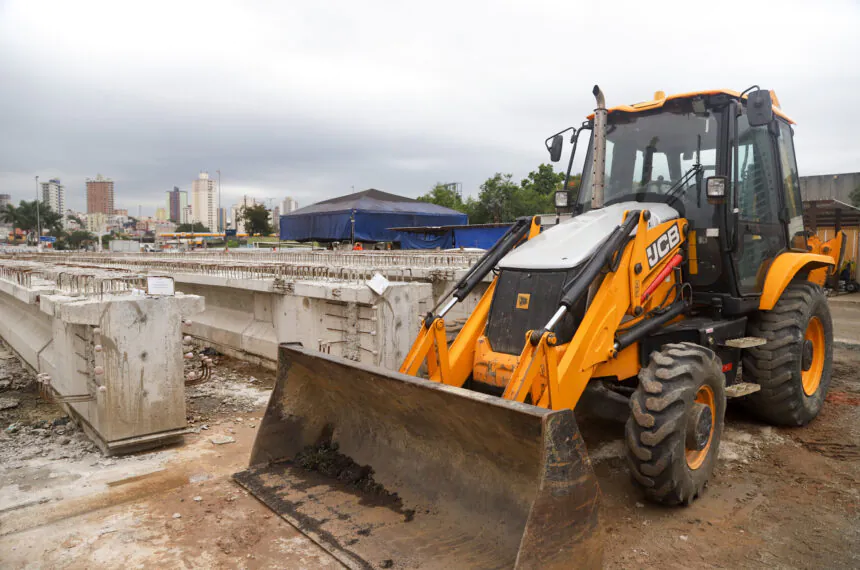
{"points": [[598, 150]]}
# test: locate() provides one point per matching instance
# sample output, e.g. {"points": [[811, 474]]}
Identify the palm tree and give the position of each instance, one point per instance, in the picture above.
{"points": [[23, 216]]}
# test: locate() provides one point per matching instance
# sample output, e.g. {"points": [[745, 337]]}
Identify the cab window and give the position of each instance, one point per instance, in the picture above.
{"points": [[791, 186]]}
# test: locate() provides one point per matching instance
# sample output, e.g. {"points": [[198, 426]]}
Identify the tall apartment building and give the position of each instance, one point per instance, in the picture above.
{"points": [[100, 195], [222, 219], [5, 200], [54, 196], [204, 202], [177, 200], [288, 205], [161, 214]]}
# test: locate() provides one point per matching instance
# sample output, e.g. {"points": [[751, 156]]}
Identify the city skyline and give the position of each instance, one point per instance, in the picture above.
{"points": [[57, 190]]}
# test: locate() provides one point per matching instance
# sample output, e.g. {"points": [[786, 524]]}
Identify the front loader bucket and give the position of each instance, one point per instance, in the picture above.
{"points": [[385, 470]]}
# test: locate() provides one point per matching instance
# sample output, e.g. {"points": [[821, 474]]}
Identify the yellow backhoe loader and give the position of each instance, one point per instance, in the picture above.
{"points": [[684, 261]]}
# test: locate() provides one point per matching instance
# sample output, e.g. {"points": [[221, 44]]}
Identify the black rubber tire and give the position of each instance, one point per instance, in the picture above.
{"points": [[776, 366], [656, 429]]}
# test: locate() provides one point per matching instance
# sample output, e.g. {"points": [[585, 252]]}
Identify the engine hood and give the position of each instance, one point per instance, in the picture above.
{"points": [[570, 243]]}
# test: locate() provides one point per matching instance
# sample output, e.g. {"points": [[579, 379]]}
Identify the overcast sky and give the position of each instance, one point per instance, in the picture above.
{"points": [[310, 99]]}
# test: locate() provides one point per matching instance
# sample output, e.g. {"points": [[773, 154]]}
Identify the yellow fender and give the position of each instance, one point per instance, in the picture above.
{"points": [[783, 269]]}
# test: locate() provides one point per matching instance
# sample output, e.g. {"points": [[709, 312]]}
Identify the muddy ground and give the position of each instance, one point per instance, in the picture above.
{"points": [[781, 498]]}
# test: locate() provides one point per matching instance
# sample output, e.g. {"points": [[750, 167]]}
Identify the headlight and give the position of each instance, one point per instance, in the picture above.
{"points": [[716, 186], [561, 199]]}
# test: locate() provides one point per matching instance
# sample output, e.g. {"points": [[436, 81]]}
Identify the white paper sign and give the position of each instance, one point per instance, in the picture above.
{"points": [[158, 285]]}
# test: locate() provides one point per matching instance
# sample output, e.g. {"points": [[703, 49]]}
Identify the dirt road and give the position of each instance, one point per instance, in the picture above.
{"points": [[781, 498]]}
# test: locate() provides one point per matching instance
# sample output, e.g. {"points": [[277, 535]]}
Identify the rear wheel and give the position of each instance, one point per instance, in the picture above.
{"points": [[676, 421], [793, 368]]}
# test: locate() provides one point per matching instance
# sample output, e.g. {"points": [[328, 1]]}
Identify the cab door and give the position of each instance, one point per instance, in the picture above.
{"points": [[760, 234]]}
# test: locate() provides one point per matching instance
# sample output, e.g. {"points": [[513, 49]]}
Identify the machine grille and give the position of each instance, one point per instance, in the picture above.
{"points": [[525, 300]]}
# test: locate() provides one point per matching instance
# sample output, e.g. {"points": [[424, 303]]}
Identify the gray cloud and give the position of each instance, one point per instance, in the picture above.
{"points": [[311, 99]]}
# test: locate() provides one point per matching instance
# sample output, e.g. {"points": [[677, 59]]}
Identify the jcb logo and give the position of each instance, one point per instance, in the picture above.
{"points": [[661, 246], [523, 300]]}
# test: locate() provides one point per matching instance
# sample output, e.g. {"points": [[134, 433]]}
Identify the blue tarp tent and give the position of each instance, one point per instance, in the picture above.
{"points": [[482, 236], [374, 213]]}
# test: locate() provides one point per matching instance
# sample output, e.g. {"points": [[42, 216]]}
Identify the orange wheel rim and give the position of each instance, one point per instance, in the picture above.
{"points": [[811, 378], [695, 457]]}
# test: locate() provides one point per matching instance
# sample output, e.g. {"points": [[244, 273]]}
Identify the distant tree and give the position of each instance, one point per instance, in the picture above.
{"points": [[502, 200], [495, 201], [256, 219], [77, 220], [24, 216], [196, 227], [78, 238], [855, 197], [544, 181], [528, 202], [443, 195]]}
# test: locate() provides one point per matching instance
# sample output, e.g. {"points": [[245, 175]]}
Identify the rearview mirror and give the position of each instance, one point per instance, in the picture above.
{"points": [[555, 148], [759, 108]]}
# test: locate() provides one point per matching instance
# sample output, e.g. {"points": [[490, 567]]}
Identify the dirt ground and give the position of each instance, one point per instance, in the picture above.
{"points": [[781, 498]]}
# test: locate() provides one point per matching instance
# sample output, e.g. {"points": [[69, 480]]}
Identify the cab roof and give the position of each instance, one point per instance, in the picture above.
{"points": [[660, 99]]}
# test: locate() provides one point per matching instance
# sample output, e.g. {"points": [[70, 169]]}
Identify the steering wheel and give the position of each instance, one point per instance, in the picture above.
{"points": [[656, 185]]}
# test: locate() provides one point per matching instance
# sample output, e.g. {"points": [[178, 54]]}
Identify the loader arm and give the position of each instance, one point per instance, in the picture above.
{"points": [[639, 275]]}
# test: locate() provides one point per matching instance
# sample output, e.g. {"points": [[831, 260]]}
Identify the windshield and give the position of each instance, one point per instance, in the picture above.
{"points": [[648, 155]]}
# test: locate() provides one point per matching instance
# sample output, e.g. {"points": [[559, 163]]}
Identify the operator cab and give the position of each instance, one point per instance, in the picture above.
{"points": [[734, 179]]}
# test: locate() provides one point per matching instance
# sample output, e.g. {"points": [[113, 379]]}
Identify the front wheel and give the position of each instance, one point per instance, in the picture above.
{"points": [[676, 422]]}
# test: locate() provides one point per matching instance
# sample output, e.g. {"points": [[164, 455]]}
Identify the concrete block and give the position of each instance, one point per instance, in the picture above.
{"points": [[114, 361]]}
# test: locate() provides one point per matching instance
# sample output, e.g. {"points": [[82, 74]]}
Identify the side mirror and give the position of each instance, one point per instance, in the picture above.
{"points": [[555, 148], [759, 108]]}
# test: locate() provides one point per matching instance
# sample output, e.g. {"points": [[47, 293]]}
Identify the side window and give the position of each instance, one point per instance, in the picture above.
{"points": [[791, 186], [757, 199]]}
